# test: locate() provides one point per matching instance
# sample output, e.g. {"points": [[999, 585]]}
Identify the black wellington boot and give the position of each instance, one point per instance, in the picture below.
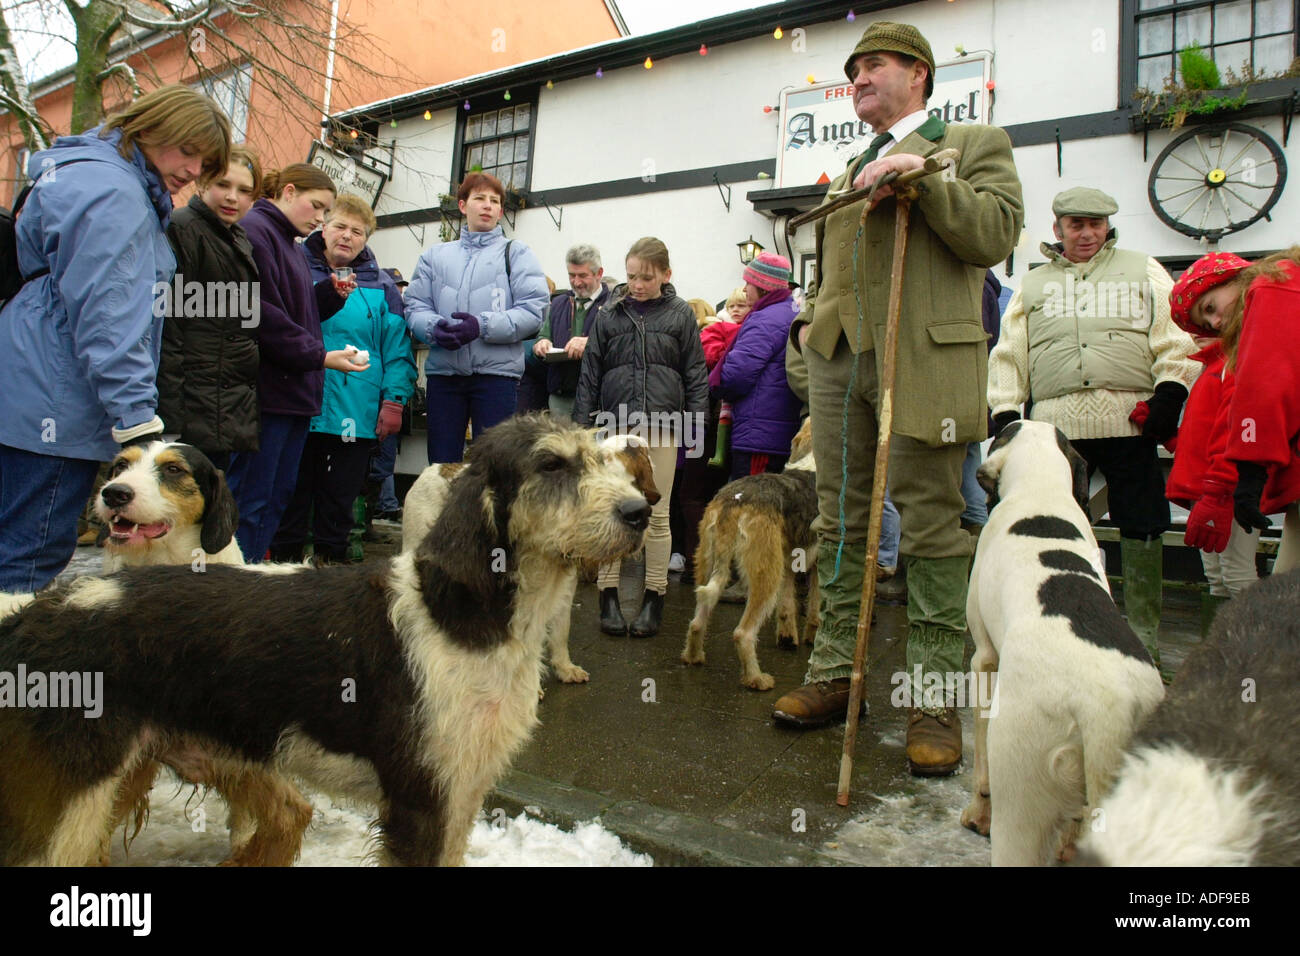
{"points": [[647, 622], [611, 616]]}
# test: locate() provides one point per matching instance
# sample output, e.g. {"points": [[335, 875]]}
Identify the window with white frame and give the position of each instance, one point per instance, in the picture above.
{"points": [[231, 92], [499, 141], [1259, 34]]}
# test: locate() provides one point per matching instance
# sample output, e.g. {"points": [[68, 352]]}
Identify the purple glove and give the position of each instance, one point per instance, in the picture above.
{"points": [[452, 337]]}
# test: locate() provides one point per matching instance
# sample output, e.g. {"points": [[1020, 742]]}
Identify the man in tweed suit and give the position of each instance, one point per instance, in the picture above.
{"points": [[964, 221]]}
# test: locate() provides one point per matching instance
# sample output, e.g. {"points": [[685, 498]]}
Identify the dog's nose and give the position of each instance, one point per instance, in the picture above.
{"points": [[635, 512], [115, 496]]}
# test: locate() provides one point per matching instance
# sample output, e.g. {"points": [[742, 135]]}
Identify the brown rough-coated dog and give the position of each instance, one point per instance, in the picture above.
{"points": [[763, 525]]}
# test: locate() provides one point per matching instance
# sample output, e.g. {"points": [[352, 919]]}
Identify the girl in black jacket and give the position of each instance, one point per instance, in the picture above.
{"points": [[207, 376], [643, 372]]}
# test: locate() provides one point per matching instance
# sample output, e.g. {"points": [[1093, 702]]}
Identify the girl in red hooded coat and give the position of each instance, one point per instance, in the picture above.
{"points": [[1248, 462]]}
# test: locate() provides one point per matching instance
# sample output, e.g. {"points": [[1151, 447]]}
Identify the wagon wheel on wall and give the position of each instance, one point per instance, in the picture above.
{"points": [[1215, 180]]}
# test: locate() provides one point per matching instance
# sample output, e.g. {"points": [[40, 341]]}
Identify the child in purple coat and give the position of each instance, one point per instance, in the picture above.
{"points": [[752, 374]]}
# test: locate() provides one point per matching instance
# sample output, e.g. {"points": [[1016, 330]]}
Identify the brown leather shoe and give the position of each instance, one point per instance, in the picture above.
{"points": [[933, 743], [815, 705]]}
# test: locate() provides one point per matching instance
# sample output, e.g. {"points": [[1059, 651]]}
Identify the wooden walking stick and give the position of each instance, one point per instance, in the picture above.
{"points": [[905, 193]]}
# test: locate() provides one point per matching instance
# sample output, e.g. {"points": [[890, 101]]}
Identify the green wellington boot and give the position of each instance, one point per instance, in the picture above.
{"points": [[1210, 604], [1143, 567]]}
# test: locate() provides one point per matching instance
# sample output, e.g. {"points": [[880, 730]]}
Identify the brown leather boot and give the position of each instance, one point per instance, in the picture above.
{"points": [[933, 743], [815, 705]]}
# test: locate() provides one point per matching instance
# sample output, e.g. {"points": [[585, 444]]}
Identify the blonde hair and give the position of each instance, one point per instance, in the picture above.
{"points": [[357, 208], [241, 155], [737, 297], [703, 311], [174, 115], [1269, 269], [652, 251]]}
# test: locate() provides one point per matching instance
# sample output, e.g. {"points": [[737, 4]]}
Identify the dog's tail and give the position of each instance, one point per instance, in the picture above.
{"points": [[714, 555]]}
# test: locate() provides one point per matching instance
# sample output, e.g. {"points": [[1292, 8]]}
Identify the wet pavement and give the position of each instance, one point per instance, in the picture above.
{"points": [[687, 765]]}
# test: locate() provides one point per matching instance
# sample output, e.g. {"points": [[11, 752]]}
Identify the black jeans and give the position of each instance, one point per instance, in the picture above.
{"points": [[330, 478], [1135, 484]]}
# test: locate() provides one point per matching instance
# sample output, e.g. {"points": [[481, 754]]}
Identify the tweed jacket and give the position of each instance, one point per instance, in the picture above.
{"points": [[962, 223]]}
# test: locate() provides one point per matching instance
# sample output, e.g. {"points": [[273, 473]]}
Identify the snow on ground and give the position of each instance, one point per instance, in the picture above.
{"points": [[185, 829], [919, 825]]}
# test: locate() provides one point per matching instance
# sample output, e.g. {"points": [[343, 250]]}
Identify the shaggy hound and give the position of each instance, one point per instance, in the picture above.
{"points": [[759, 523], [1208, 780], [627, 454], [1072, 679], [165, 503], [409, 685]]}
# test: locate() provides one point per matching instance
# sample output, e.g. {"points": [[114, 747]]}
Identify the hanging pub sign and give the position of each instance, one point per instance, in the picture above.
{"points": [[347, 174], [820, 132]]}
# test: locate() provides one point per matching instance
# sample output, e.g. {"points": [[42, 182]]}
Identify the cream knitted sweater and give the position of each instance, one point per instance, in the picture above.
{"points": [[1092, 412]]}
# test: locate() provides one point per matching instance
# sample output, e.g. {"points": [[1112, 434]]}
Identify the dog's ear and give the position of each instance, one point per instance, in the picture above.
{"points": [[987, 476], [1078, 473], [220, 513], [470, 541]]}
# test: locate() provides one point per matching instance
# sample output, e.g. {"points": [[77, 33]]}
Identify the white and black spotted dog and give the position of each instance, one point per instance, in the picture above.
{"points": [[166, 503], [1210, 779], [1073, 681], [408, 686]]}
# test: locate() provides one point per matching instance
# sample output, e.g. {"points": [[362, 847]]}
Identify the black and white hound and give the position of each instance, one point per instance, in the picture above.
{"points": [[166, 503], [409, 686], [1072, 679]]}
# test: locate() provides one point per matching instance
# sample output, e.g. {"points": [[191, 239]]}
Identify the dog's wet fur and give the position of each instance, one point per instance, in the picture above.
{"points": [[408, 685], [1210, 780]]}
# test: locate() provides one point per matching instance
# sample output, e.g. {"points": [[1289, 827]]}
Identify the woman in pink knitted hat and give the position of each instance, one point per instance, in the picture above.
{"points": [[1253, 462], [765, 413]]}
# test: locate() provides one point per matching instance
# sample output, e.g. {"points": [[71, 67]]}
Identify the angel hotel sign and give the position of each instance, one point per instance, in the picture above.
{"points": [[820, 132], [347, 174]]}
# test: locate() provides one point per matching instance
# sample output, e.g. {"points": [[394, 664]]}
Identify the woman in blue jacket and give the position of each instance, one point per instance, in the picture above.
{"points": [[474, 301], [359, 407], [81, 338]]}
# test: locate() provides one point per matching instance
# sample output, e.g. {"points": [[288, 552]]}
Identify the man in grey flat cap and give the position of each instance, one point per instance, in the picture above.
{"points": [[1090, 341]]}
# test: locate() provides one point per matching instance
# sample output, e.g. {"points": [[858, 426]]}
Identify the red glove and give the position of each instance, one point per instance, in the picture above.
{"points": [[1141, 411], [1210, 523], [390, 420]]}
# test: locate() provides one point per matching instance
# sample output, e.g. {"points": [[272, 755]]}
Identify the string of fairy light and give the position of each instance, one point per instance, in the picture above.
{"points": [[648, 63]]}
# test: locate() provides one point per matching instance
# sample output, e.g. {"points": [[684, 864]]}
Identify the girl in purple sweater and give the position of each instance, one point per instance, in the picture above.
{"points": [[291, 376]]}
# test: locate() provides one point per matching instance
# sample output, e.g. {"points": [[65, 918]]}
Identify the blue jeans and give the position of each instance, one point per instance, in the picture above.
{"points": [[382, 464], [40, 499], [262, 481], [977, 511], [456, 400], [887, 556]]}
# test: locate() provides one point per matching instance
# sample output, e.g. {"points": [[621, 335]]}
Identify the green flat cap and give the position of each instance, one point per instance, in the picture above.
{"points": [[1084, 201], [893, 38]]}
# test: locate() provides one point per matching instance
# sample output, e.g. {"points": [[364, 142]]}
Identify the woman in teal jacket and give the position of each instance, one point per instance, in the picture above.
{"points": [[359, 409]]}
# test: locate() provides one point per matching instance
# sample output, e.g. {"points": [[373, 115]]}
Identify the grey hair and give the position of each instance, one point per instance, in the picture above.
{"points": [[583, 255]]}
